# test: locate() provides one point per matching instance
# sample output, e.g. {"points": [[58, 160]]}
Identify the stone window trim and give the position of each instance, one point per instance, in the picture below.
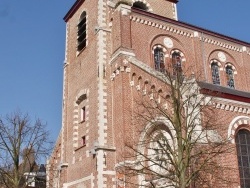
{"points": [[152, 129], [83, 114], [80, 116], [158, 124], [82, 143], [230, 71], [82, 108], [216, 61], [240, 122], [183, 59], [177, 61], [161, 47], [160, 59], [215, 67], [231, 65], [159, 55], [142, 4]]}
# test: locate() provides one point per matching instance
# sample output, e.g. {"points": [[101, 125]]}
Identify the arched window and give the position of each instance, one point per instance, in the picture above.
{"points": [[160, 148], [81, 33], [243, 154], [230, 76], [215, 73], [159, 59], [176, 63], [140, 5]]}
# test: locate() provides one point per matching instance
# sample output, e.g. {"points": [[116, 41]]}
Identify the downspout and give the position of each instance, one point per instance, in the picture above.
{"points": [[203, 56], [175, 13], [64, 105]]}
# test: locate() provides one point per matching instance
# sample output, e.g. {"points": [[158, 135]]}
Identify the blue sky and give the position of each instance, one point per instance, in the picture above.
{"points": [[228, 17], [32, 43]]}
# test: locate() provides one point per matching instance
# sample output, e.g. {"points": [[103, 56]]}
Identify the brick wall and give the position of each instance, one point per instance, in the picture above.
{"points": [[118, 60]]}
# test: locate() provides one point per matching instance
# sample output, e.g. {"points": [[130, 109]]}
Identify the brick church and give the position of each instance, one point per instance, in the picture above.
{"points": [[116, 49]]}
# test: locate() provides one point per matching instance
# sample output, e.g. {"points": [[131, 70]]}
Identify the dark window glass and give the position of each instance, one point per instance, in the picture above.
{"points": [[176, 63], [159, 60], [140, 5], [230, 76], [83, 114], [84, 140], [215, 73], [243, 154], [81, 33]]}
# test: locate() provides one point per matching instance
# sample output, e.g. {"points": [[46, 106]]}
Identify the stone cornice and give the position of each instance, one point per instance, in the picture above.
{"points": [[207, 39], [174, 30], [221, 44], [138, 13], [166, 27], [231, 105], [120, 52]]}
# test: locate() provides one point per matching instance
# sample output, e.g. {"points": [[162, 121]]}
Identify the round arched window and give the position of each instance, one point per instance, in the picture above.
{"points": [[160, 148], [243, 154]]}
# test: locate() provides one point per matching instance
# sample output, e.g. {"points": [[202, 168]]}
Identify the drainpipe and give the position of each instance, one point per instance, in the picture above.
{"points": [[203, 56]]}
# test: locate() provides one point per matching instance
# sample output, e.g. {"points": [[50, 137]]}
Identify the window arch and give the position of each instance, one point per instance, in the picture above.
{"points": [[157, 152], [159, 59], [140, 5], [156, 134], [176, 62], [215, 70], [82, 32], [230, 76], [243, 154]]}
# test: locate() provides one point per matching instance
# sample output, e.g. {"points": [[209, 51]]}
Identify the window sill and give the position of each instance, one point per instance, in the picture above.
{"points": [[80, 147], [81, 122], [79, 52]]}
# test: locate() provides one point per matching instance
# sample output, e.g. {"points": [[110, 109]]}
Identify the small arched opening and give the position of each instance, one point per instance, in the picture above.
{"points": [[140, 5]]}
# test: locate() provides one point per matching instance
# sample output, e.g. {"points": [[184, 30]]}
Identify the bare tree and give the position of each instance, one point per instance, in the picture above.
{"points": [[180, 141], [22, 143]]}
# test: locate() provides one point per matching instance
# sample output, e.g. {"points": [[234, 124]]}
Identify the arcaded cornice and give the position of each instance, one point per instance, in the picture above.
{"points": [[189, 26]]}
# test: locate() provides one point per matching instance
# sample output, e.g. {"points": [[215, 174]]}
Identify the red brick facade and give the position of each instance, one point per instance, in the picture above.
{"points": [[101, 81]]}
